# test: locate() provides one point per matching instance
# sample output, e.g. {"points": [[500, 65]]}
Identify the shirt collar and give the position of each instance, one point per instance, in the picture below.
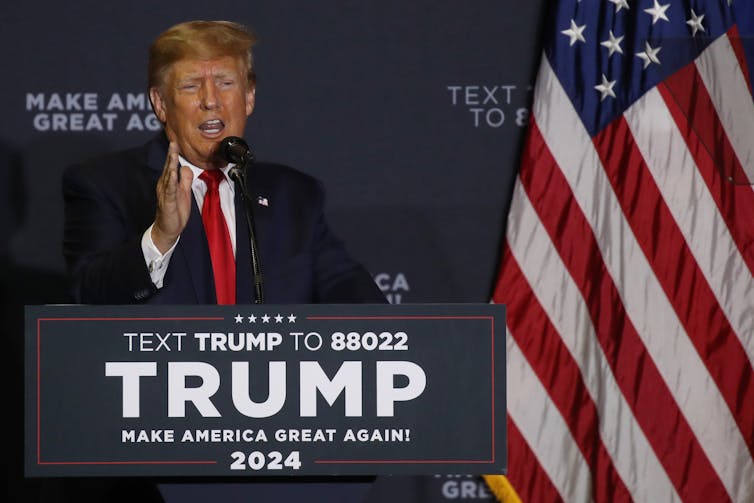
{"points": [[198, 171]]}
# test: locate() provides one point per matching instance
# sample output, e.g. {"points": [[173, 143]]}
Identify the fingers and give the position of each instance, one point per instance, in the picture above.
{"points": [[185, 177], [170, 173], [175, 182]]}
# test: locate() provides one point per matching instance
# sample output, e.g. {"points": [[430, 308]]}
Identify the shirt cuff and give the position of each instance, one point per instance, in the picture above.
{"points": [[157, 263]]}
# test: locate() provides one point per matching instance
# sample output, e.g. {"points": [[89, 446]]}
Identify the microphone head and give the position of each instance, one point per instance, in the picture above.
{"points": [[236, 150]]}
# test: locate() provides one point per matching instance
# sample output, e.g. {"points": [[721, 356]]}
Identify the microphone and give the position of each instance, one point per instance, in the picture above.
{"points": [[235, 150]]}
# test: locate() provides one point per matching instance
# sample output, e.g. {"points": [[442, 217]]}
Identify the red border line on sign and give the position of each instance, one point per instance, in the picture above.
{"points": [[127, 463], [400, 318], [425, 461], [39, 391], [403, 461], [492, 345]]}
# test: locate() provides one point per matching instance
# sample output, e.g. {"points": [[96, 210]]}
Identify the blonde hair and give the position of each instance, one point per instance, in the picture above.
{"points": [[200, 40]]}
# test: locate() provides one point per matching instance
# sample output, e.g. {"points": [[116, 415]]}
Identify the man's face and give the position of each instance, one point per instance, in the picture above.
{"points": [[201, 102]]}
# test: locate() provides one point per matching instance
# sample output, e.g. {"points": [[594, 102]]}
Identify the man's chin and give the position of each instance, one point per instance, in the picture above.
{"points": [[203, 157]]}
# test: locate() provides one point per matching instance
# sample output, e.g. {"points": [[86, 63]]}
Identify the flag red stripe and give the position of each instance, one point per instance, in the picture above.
{"points": [[531, 482], [638, 377], [675, 267], [738, 49], [550, 359]]}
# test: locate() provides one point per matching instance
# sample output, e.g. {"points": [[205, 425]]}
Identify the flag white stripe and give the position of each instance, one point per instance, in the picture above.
{"points": [[643, 297], [635, 461], [721, 72], [544, 429]]}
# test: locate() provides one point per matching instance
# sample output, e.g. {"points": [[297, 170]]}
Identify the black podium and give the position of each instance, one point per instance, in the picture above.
{"points": [[232, 394]]}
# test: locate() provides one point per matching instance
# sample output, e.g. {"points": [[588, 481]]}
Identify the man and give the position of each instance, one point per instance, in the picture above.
{"points": [[134, 227], [133, 220]]}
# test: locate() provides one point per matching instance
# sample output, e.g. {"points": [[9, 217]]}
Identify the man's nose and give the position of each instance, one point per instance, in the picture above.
{"points": [[209, 96]]}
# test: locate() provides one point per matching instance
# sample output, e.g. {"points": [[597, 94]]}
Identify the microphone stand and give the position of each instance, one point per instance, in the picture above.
{"points": [[238, 174]]}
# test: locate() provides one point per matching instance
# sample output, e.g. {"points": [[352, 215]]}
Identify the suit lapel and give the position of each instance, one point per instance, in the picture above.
{"points": [[192, 249]]}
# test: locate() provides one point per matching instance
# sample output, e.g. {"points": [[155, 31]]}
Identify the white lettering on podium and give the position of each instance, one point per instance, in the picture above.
{"points": [[242, 341], [275, 397], [347, 379], [130, 372], [313, 380], [179, 394], [386, 371]]}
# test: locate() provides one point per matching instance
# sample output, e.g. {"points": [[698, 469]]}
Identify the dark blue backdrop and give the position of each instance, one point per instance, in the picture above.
{"points": [[412, 113]]}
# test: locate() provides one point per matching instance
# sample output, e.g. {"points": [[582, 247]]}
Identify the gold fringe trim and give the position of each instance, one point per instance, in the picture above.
{"points": [[502, 488]]}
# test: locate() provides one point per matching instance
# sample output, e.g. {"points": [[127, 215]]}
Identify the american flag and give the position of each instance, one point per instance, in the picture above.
{"points": [[628, 263]]}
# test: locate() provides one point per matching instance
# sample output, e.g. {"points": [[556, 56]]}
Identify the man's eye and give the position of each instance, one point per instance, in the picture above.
{"points": [[189, 87]]}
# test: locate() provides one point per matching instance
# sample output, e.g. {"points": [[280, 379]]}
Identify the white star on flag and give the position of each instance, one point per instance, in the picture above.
{"points": [[649, 55], [606, 88], [658, 12], [619, 4], [574, 32], [613, 44], [695, 23]]}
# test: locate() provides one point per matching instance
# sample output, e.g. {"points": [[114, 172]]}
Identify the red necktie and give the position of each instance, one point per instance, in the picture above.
{"points": [[220, 249]]}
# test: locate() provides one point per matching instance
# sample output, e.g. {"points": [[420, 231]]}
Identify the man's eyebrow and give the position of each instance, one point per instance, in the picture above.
{"points": [[189, 78], [193, 77], [224, 74]]}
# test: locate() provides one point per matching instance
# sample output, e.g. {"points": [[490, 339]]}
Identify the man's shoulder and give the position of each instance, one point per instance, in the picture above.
{"points": [[281, 171], [117, 170], [123, 158], [277, 176]]}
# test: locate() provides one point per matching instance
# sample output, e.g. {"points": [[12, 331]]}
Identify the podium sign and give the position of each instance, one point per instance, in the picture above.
{"points": [[265, 390]]}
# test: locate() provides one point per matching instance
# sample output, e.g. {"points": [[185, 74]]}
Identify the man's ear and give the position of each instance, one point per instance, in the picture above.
{"points": [[250, 99], [158, 104]]}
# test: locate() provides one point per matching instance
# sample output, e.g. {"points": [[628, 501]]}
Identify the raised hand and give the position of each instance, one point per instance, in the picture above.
{"points": [[173, 201]]}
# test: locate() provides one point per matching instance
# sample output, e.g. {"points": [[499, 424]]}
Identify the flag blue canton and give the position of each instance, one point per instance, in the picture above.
{"points": [[634, 45]]}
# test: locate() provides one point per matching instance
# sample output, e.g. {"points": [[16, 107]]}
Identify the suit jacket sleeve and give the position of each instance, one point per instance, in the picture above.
{"points": [[107, 209], [339, 278]]}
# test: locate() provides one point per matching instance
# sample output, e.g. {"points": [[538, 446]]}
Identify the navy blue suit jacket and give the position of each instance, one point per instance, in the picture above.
{"points": [[110, 201]]}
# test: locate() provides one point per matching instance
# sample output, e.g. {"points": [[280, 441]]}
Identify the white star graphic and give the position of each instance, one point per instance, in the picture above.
{"points": [[658, 12], [695, 22], [252, 318], [606, 88], [291, 318], [239, 318], [619, 4], [574, 32], [649, 55], [278, 318], [613, 44], [265, 319]]}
